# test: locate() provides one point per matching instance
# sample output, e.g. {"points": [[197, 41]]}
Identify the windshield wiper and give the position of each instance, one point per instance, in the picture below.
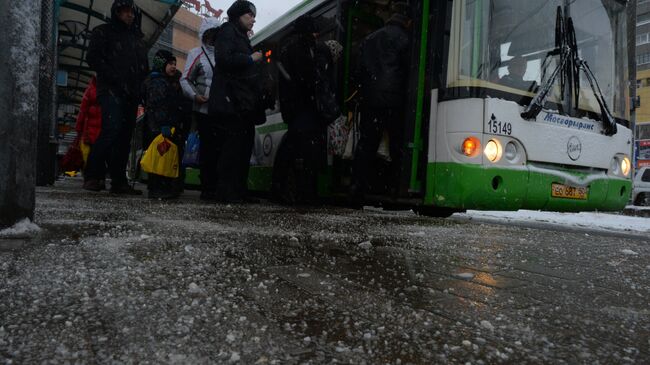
{"points": [[564, 51], [609, 123], [569, 68], [536, 105]]}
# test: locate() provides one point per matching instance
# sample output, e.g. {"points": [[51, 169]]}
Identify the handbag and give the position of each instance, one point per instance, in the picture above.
{"points": [[383, 151], [353, 135], [161, 158], [191, 156], [337, 136]]}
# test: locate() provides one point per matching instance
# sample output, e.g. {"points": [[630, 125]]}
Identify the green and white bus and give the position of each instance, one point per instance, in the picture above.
{"points": [[559, 139]]}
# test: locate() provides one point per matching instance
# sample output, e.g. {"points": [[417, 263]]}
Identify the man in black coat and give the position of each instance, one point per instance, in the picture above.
{"points": [[383, 72], [308, 104], [236, 101], [118, 55]]}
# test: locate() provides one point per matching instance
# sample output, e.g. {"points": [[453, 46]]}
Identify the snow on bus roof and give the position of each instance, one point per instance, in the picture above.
{"points": [[286, 19]]}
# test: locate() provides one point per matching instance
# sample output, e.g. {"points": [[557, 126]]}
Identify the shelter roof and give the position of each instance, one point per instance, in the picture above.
{"points": [[77, 18]]}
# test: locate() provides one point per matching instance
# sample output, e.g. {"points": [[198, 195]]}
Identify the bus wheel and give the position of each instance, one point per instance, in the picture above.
{"points": [[436, 212]]}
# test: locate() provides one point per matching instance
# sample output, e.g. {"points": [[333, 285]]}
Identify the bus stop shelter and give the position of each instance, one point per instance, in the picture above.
{"points": [[77, 18], [47, 43]]}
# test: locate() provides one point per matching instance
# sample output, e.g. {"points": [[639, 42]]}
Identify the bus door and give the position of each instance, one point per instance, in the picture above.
{"points": [[364, 17]]}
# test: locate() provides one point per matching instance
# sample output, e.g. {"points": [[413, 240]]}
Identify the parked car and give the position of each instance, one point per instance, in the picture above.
{"points": [[641, 188]]}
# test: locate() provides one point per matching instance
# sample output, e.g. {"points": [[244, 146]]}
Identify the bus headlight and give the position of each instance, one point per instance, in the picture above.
{"points": [[615, 167], [471, 146], [511, 151], [621, 165], [625, 166], [493, 150]]}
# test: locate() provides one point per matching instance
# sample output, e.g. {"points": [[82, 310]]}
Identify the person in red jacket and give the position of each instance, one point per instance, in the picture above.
{"points": [[89, 119]]}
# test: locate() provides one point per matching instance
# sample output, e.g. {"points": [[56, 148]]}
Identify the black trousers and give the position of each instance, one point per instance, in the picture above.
{"points": [[235, 144], [114, 142], [306, 135], [302, 152], [208, 151], [373, 123]]}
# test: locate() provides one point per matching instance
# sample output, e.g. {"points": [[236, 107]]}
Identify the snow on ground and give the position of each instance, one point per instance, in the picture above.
{"points": [[591, 220], [22, 228]]}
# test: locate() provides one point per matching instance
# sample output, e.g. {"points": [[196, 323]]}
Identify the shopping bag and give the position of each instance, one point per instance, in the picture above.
{"points": [[85, 151], [337, 136], [191, 154], [352, 137], [383, 151], [161, 158], [73, 159]]}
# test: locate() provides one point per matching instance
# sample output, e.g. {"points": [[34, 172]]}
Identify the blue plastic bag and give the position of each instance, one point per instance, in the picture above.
{"points": [[191, 154]]}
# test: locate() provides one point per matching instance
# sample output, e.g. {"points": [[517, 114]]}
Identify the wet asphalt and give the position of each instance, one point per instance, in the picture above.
{"points": [[113, 279]]}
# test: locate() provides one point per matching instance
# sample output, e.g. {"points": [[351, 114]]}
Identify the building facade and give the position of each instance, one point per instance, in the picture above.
{"points": [[180, 36], [642, 130]]}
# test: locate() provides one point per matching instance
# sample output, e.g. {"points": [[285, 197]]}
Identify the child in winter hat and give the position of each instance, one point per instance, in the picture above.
{"points": [[161, 59]]}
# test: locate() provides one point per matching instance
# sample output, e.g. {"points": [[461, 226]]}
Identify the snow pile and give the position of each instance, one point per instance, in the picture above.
{"points": [[629, 252], [22, 228], [591, 220], [465, 275]]}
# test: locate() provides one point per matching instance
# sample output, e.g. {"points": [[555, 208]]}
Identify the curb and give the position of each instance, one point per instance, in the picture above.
{"points": [[636, 212]]}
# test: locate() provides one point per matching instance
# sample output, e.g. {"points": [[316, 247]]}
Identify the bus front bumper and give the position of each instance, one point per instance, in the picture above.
{"points": [[464, 186]]}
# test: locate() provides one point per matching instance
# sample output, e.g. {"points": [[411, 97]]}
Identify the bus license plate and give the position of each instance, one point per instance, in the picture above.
{"points": [[569, 192]]}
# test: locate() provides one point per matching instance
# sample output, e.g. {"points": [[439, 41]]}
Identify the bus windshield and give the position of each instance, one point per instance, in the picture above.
{"points": [[503, 44]]}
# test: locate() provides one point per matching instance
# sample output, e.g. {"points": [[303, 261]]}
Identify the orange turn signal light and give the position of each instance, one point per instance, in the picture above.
{"points": [[471, 146]]}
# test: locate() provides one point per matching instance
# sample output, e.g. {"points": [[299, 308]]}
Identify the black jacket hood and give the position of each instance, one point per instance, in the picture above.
{"points": [[126, 3], [118, 4]]}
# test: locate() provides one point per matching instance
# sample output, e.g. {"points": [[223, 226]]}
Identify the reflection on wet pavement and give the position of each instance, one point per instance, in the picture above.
{"points": [[131, 280]]}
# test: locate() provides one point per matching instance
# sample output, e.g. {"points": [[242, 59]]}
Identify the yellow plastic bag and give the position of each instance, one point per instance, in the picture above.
{"points": [[161, 158], [85, 151]]}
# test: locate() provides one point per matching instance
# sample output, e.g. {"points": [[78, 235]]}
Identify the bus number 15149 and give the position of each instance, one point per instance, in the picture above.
{"points": [[499, 127]]}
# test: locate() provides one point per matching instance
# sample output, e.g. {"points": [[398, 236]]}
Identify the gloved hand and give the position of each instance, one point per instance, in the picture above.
{"points": [[166, 131]]}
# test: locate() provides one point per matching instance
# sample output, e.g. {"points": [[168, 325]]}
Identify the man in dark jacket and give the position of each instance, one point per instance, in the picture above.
{"points": [[236, 101], [118, 55], [383, 71], [308, 105]]}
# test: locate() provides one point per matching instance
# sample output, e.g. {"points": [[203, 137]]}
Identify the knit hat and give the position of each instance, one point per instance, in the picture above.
{"points": [[123, 3], [401, 8], [239, 8], [335, 49], [161, 59], [401, 14], [305, 25]]}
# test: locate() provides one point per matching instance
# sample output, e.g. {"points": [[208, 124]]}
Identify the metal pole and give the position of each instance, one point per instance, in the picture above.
{"points": [[46, 165], [20, 29], [631, 60]]}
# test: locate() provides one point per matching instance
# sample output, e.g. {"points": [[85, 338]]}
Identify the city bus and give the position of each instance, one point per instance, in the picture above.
{"points": [[558, 139]]}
